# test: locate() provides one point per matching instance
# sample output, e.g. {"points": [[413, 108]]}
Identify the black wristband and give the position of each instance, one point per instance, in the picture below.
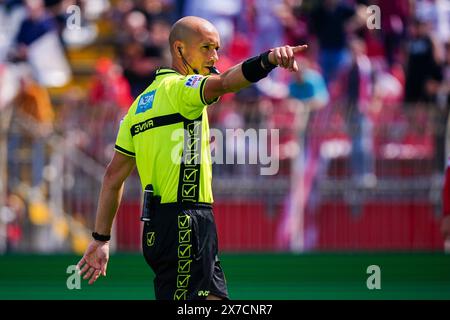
{"points": [[253, 70], [265, 61], [100, 237]]}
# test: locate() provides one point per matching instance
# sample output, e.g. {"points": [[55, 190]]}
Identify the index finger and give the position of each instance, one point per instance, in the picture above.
{"points": [[81, 262], [300, 48]]}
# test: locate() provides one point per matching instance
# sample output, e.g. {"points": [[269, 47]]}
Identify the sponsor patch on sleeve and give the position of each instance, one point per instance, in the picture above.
{"points": [[193, 81], [145, 102]]}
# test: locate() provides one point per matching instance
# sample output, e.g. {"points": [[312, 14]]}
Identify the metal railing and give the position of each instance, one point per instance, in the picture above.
{"points": [[286, 211]]}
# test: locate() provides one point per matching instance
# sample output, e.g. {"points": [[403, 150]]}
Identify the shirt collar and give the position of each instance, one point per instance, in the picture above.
{"points": [[163, 70]]}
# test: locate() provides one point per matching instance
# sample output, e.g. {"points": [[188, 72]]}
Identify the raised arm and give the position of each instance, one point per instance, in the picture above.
{"points": [[251, 70]]}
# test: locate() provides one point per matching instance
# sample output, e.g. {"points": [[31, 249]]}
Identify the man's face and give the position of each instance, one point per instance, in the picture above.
{"points": [[201, 52]]}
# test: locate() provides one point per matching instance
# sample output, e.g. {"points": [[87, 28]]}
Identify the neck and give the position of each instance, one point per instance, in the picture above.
{"points": [[181, 68]]}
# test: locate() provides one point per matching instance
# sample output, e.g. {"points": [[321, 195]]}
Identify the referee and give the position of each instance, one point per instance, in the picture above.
{"points": [[166, 135]]}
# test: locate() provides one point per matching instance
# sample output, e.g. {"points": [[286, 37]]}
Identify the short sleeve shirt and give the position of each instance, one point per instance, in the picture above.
{"points": [[166, 129]]}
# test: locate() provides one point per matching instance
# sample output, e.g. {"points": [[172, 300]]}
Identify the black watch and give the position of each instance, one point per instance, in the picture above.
{"points": [[100, 237]]}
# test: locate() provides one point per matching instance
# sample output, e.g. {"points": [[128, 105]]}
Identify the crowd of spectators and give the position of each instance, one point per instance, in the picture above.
{"points": [[371, 81], [394, 73], [374, 77]]}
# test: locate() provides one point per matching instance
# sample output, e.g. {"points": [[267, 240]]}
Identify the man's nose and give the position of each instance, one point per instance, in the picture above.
{"points": [[215, 56]]}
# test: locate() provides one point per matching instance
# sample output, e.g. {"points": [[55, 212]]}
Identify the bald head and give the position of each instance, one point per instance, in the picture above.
{"points": [[188, 29], [194, 42]]}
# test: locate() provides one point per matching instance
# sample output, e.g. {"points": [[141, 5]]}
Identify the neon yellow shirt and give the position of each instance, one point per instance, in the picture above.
{"points": [[166, 129]]}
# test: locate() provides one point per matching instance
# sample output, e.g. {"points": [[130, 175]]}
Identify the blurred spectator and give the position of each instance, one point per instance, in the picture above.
{"points": [[423, 77], [308, 86], [38, 44], [329, 22], [358, 95], [309, 89], [34, 100], [109, 88], [269, 33], [33, 104], [108, 101], [268, 28], [159, 34], [445, 93], [436, 13], [139, 64], [310, 94], [405, 62], [12, 14], [441, 115], [140, 56], [294, 20], [12, 216], [425, 10], [37, 23], [119, 11], [422, 70], [394, 19], [134, 28]]}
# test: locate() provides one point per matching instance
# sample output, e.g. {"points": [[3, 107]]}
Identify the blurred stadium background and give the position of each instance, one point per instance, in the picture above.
{"points": [[362, 148]]}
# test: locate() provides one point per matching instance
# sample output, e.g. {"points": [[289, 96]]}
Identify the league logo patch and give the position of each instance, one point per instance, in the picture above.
{"points": [[145, 102], [194, 81]]}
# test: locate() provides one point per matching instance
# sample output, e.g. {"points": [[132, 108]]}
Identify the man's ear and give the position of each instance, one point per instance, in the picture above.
{"points": [[178, 48]]}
